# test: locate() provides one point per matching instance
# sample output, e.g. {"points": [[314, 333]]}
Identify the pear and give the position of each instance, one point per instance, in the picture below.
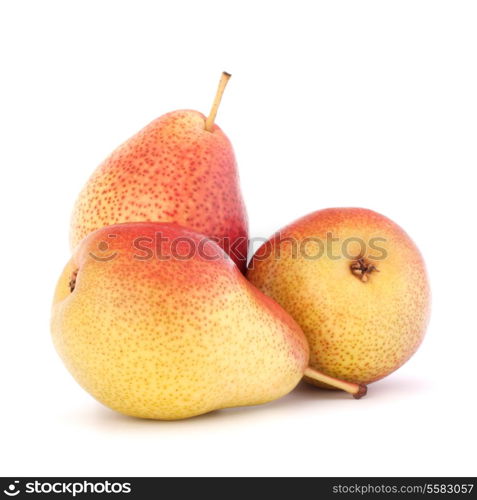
{"points": [[156, 321], [180, 168], [356, 284]]}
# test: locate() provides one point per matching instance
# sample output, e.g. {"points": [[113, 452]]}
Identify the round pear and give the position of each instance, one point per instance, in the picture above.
{"points": [[356, 284]]}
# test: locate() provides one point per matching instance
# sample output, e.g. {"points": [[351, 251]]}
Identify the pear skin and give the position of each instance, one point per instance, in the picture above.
{"points": [[152, 329], [356, 284], [180, 168]]}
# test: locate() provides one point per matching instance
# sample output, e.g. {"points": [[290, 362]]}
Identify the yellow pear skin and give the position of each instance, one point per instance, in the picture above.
{"points": [[168, 337], [364, 310]]}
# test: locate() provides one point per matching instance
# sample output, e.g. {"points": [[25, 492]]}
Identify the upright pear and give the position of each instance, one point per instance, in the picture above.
{"points": [[156, 321], [180, 168]]}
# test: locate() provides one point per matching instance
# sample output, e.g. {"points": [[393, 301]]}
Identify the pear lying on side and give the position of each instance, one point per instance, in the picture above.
{"points": [[156, 321], [356, 284], [180, 168]]}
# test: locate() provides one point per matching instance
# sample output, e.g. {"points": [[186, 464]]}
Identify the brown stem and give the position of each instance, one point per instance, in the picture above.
{"points": [[357, 390], [209, 123]]}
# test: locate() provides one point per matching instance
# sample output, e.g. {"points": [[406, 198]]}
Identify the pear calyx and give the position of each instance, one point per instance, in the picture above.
{"points": [[72, 283], [362, 268]]}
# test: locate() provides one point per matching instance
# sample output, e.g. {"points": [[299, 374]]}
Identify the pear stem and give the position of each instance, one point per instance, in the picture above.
{"points": [[209, 123], [357, 390]]}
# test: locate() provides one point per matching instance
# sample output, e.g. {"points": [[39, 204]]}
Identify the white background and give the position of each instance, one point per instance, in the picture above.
{"points": [[369, 103]]}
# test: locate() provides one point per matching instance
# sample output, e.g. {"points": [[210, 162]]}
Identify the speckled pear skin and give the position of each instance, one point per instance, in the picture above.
{"points": [[173, 170], [359, 331], [169, 338]]}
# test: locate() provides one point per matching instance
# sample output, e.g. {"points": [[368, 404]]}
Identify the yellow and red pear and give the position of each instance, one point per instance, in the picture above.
{"points": [[180, 168], [356, 284], [156, 321]]}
